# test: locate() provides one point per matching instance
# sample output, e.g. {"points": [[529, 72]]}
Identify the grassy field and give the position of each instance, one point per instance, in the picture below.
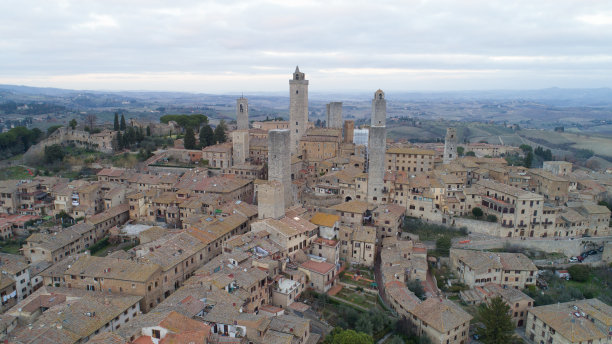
{"points": [[11, 246], [363, 299], [14, 172]]}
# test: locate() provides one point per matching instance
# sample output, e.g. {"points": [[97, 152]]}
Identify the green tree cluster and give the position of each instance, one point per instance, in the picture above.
{"points": [[579, 273], [443, 245], [207, 136], [460, 150], [130, 137], [341, 336], [186, 121], [498, 327], [72, 123], [53, 154], [219, 134], [545, 155], [18, 140]]}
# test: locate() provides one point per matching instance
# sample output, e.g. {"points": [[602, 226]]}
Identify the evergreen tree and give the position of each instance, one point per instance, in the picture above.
{"points": [[220, 136], [119, 141], [122, 126], [148, 130], [72, 123], [189, 141], [116, 124], [528, 160], [206, 136], [498, 327]]}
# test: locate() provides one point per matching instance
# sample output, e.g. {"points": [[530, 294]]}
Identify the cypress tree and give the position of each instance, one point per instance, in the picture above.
{"points": [[122, 127], [116, 124]]}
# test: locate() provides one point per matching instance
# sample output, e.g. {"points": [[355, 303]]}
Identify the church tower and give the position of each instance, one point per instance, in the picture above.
{"points": [[298, 108]]}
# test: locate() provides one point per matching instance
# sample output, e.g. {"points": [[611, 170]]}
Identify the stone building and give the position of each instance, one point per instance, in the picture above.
{"points": [[298, 108], [334, 115], [279, 161], [450, 145], [219, 155], [581, 321], [120, 276], [409, 159], [559, 168], [476, 268]]}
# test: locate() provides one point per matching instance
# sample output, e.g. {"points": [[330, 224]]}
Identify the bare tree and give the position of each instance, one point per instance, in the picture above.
{"points": [[91, 121]]}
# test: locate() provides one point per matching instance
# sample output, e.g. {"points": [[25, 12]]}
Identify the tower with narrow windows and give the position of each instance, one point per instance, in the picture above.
{"points": [[334, 115], [450, 145], [298, 108], [377, 145], [242, 113], [379, 109]]}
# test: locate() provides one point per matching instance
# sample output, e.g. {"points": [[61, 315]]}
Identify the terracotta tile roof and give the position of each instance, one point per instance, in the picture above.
{"points": [[442, 315], [120, 269], [318, 267], [354, 206], [561, 318], [323, 219]]}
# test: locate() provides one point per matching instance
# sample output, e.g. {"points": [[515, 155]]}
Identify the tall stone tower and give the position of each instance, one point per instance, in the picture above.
{"points": [[377, 143], [242, 113], [279, 161], [334, 115], [270, 200], [240, 145], [379, 109], [298, 108], [450, 145], [349, 131]]}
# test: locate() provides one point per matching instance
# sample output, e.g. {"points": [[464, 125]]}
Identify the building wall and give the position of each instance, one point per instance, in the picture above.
{"points": [[279, 161], [334, 115], [240, 143], [376, 164]]}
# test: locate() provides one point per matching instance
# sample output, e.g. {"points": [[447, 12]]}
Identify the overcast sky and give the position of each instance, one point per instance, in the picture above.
{"points": [[234, 46]]}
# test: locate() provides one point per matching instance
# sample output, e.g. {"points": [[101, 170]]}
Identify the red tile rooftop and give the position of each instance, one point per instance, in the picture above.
{"points": [[318, 267]]}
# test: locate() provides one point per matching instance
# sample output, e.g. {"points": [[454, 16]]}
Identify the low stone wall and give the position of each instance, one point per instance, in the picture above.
{"points": [[569, 247]]}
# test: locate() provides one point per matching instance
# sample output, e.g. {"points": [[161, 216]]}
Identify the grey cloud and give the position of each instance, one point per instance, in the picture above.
{"points": [[494, 43]]}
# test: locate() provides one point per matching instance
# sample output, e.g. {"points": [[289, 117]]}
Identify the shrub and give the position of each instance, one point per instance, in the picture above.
{"points": [[579, 273], [491, 218], [477, 212]]}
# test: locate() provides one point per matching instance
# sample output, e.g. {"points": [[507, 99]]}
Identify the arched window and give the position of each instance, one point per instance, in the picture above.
{"points": [[241, 108]]}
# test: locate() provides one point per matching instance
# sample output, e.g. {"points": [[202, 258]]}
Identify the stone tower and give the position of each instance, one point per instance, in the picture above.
{"points": [[279, 161], [377, 143], [379, 109], [298, 108], [334, 115], [242, 113], [349, 131], [270, 200], [240, 145], [450, 145]]}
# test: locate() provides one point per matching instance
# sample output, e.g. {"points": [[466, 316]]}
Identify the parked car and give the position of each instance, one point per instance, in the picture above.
{"points": [[600, 249], [580, 258], [584, 254], [574, 260], [593, 252]]}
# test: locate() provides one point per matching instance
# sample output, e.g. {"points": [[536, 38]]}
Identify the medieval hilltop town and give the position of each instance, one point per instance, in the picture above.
{"points": [[289, 230]]}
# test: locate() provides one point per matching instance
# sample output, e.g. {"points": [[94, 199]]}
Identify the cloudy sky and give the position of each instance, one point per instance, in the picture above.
{"points": [[233, 46]]}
